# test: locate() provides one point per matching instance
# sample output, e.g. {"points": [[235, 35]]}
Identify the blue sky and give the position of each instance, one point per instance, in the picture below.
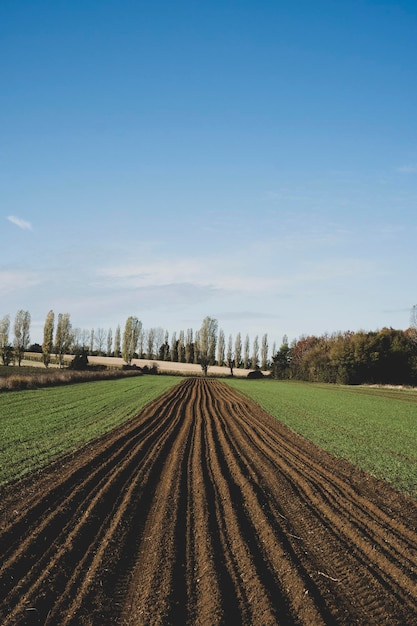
{"points": [[251, 161]]}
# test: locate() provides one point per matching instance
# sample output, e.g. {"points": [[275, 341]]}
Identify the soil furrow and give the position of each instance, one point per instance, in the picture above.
{"points": [[204, 510]]}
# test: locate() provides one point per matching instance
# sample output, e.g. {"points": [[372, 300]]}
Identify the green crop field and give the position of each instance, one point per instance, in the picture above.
{"points": [[37, 426], [374, 428]]}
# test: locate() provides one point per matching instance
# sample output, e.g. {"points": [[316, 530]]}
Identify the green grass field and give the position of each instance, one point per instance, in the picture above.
{"points": [[37, 426], [374, 428]]}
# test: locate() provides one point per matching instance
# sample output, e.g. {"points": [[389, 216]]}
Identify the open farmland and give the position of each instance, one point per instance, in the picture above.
{"points": [[372, 427], [204, 509], [39, 425]]}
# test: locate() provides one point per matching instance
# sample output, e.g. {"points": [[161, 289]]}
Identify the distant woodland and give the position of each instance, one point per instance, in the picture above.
{"points": [[385, 356]]}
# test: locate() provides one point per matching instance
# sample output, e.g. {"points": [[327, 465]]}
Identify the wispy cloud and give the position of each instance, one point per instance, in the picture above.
{"points": [[407, 169], [24, 224], [15, 280]]}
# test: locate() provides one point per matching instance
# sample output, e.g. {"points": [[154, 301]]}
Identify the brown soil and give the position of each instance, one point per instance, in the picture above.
{"points": [[204, 510]]}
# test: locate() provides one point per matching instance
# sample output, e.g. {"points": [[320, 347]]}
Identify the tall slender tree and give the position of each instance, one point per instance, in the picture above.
{"points": [[208, 335], [255, 353], [189, 347], [109, 342], [174, 351], [181, 347], [221, 347], [238, 350], [229, 355], [63, 337], [150, 340], [264, 352], [197, 347], [48, 338], [246, 353], [5, 347], [21, 334], [117, 341], [131, 334]]}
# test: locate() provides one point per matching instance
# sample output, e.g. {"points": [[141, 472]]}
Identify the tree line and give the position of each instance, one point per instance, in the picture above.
{"points": [[206, 346], [386, 356]]}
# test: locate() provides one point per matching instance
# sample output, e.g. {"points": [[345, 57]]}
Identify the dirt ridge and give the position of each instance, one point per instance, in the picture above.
{"points": [[205, 510]]}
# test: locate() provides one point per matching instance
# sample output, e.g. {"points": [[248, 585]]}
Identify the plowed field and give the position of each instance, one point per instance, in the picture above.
{"points": [[205, 510]]}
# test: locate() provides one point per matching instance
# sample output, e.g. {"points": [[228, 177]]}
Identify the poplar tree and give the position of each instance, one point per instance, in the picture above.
{"points": [[197, 347], [117, 341], [48, 338], [189, 347], [221, 346], [255, 353], [181, 347], [21, 334], [173, 352], [5, 347], [63, 337], [208, 334], [109, 341], [238, 350], [131, 334], [150, 343], [246, 353], [264, 352], [229, 355]]}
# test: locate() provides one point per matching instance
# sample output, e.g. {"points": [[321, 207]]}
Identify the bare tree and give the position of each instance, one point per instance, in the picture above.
{"points": [[173, 352], [100, 340], [48, 338], [21, 334], [92, 341], [159, 340]]}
